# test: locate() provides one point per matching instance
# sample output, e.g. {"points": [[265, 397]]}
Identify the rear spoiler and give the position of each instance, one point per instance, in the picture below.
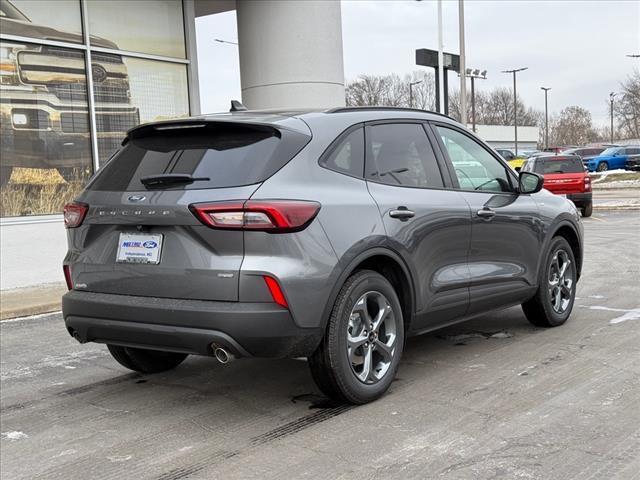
{"points": [[195, 124]]}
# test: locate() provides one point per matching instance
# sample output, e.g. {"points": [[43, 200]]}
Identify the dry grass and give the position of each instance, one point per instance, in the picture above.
{"points": [[36, 176], [33, 191]]}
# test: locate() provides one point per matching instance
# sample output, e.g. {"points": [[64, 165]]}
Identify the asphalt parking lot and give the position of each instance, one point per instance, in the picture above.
{"points": [[492, 398]]}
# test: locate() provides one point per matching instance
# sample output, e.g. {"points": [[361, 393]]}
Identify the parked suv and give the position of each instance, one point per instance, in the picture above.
{"points": [[564, 175], [331, 235]]}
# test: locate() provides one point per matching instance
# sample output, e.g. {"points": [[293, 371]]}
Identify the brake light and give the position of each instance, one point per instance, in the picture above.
{"points": [[276, 291], [67, 276], [74, 214], [275, 216], [587, 183]]}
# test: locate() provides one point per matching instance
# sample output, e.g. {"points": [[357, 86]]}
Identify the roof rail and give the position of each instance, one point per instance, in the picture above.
{"points": [[368, 107]]}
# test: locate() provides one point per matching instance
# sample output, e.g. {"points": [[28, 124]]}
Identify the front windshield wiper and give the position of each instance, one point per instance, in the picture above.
{"points": [[169, 179]]}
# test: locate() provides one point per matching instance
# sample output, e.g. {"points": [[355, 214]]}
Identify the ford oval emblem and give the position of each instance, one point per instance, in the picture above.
{"points": [[149, 244], [136, 198]]}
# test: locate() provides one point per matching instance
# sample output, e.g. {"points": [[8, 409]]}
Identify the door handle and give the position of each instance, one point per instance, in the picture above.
{"points": [[402, 213], [486, 213]]}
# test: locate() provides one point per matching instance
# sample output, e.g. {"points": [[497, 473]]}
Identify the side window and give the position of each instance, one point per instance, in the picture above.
{"points": [[400, 154], [474, 166], [348, 155]]}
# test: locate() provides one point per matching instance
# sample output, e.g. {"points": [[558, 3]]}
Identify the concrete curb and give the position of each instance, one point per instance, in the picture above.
{"points": [[23, 302]]}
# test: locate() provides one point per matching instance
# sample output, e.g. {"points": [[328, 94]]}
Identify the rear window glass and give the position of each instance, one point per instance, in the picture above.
{"points": [[558, 165], [217, 155]]}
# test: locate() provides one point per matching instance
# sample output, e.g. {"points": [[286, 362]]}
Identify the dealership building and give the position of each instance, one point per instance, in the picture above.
{"points": [[77, 74]]}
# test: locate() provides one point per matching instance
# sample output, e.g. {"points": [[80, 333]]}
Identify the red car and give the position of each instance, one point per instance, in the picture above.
{"points": [[564, 175]]}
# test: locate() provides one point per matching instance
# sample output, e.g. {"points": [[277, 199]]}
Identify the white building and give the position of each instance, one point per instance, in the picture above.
{"points": [[502, 136]]}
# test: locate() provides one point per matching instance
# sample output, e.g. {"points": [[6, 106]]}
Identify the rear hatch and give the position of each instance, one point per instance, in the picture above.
{"points": [[140, 237], [562, 175]]}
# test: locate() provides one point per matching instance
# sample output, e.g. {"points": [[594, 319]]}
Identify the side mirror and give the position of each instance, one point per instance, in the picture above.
{"points": [[530, 182]]}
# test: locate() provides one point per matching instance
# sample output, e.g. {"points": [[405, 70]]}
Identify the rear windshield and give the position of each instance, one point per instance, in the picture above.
{"points": [[558, 165], [218, 155]]}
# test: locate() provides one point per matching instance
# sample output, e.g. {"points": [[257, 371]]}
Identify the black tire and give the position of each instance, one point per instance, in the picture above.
{"points": [[5, 175], [330, 364], [602, 167], [146, 361], [587, 210], [540, 310]]}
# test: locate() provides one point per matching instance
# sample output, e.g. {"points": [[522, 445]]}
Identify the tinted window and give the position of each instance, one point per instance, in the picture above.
{"points": [[402, 155], [558, 165], [348, 155], [475, 167], [221, 155], [633, 151]]}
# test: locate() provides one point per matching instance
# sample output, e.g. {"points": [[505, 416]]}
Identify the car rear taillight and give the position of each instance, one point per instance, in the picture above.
{"points": [[587, 183], [276, 292], [275, 216], [67, 276], [74, 214]]}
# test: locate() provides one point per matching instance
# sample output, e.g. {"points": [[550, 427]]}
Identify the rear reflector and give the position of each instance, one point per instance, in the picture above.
{"points": [[276, 291], [74, 214], [275, 216], [67, 276]]}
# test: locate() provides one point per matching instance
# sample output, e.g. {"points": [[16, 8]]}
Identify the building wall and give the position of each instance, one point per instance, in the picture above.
{"points": [[503, 136], [76, 75]]}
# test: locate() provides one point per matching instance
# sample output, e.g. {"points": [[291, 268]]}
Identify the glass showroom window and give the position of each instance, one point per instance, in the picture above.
{"points": [[42, 19], [146, 26], [129, 91], [45, 148]]}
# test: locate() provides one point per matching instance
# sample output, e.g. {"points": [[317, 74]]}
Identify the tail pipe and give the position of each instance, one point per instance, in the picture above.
{"points": [[222, 354]]}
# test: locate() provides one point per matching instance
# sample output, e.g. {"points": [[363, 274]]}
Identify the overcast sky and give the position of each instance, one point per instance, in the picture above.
{"points": [[578, 48]]}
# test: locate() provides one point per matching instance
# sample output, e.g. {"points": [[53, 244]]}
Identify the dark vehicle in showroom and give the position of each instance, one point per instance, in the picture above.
{"points": [[43, 107], [332, 235], [566, 176]]}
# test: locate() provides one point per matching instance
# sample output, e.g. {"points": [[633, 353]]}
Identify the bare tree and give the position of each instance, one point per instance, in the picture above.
{"points": [[573, 126], [391, 90], [627, 107], [496, 108]]}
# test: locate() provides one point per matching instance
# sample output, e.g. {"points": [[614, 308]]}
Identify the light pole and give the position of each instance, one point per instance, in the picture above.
{"points": [[224, 41], [546, 117], [411, 84], [463, 81], [515, 105], [473, 74], [612, 95]]}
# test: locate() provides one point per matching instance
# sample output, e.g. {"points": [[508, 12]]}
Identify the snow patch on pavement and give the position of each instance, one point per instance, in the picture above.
{"points": [[120, 458], [631, 314], [69, 361], [14, 435]]}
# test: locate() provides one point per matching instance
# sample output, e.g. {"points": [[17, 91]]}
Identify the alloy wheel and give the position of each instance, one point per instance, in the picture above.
{"points": [[371, 337], [560, 281]]}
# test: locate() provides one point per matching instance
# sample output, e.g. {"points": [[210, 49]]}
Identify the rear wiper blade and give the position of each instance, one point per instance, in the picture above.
{"points": [[165, 179]]}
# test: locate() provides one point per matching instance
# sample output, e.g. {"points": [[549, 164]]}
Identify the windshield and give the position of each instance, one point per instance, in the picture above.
{"points": [[610, 151], [558, 165]]}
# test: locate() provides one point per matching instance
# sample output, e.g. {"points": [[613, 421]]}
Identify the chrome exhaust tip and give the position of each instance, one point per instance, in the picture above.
{"points": [[222, 355]]}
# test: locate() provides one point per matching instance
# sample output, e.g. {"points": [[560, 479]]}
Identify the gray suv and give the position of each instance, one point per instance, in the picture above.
{"points": [[331, 235]]}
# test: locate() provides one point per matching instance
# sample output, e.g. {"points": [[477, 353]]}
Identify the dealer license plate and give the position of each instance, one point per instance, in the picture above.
{"points": [[139, 248]]}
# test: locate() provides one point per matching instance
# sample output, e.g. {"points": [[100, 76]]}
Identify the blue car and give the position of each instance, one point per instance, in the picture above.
{"points": [[612, 158]]}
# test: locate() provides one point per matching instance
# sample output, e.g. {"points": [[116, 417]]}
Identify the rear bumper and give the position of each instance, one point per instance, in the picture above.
{"points": [[189, 326], [581, 199]]}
